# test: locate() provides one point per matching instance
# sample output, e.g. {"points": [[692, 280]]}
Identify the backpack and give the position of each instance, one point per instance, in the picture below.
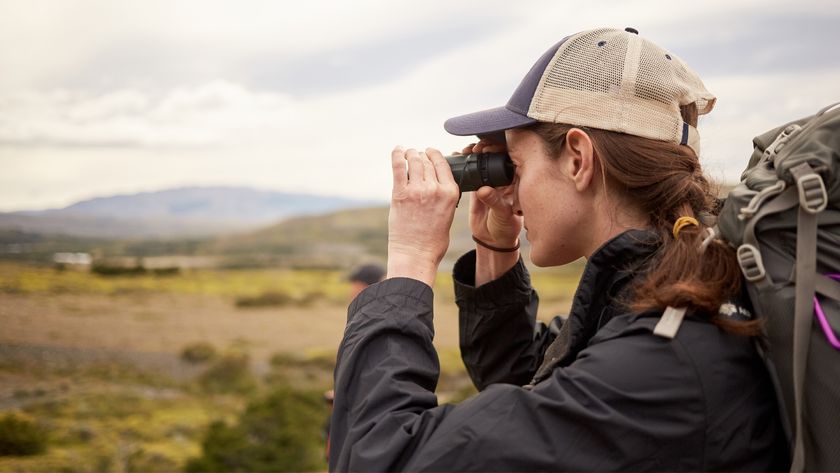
{"points": [[784, 219]]}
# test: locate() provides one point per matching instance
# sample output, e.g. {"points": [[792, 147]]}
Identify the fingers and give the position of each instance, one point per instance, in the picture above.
{"points": [[495, 199], [416, 172], [398, 167], [485, 146], [443, 173], [428, 168]]}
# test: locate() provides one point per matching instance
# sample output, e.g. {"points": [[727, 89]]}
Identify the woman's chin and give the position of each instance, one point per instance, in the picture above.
{"points": [[538, 259], [547, 259]]}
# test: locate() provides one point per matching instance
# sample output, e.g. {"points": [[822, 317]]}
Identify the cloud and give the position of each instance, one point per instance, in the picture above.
{"points": [[100, 45], [751, 104], [102, 96], [765, 42], [214, 114]]}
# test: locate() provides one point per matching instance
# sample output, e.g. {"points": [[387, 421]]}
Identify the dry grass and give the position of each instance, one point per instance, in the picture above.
{"points": [[97, 359], [44, 307]]}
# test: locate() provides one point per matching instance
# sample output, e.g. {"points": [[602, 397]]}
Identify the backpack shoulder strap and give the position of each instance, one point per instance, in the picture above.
{"points": [[806, 275]]}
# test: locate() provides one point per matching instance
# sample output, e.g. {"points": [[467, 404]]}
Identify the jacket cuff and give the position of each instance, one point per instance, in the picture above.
{"points": [[404, 287], [512, 287]]}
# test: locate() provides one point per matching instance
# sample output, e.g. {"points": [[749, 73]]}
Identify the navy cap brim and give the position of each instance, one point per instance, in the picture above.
{"points": [[486, 122]]}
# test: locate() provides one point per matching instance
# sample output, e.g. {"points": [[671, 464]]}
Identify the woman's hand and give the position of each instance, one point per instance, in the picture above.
{"points": [[422, 208], [493, 221]]}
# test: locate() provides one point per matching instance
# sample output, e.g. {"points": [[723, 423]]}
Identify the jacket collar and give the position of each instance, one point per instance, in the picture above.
{"points": [[605, 282]]}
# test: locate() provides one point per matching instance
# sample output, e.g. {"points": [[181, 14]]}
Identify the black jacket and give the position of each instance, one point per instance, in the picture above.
{"points": [[622, 399]]}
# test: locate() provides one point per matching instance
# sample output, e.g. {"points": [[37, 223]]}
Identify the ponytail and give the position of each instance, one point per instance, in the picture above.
{"points": [[664, 181]]}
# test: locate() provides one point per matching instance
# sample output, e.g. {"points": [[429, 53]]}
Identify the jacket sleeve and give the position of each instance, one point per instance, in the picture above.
{"points": [[501, 341], [606, 411]]}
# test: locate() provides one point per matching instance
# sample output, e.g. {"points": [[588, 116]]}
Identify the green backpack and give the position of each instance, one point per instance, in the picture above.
{"points": [[784, 219]]}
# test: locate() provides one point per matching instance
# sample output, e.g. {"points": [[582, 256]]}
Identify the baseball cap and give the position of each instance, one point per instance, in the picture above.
{"points": [[368, 274], [604, 78]]}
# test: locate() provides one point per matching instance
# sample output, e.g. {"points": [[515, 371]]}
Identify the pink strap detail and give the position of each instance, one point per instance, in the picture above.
{"points": [[826, 327]]}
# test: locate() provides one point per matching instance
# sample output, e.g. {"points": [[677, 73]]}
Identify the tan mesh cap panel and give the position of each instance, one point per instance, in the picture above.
{"points": [[614, 80]]}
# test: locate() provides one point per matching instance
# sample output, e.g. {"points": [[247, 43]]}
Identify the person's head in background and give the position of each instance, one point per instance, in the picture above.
{"points": [[363, 277]]}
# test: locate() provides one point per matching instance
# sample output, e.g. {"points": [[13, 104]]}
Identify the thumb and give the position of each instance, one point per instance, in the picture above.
{"points": [[494, 199]]}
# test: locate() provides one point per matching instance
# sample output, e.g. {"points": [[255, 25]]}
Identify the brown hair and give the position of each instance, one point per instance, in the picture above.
{"points": [[664, 180]]}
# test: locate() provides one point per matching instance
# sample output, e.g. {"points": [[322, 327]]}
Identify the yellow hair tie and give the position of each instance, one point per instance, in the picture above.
{"points": [[683, 222]]}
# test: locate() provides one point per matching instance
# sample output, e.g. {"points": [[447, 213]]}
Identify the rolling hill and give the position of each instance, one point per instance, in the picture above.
{"points": [[174, 213]]}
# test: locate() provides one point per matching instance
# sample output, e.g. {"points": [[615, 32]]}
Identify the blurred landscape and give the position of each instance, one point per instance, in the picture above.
{"points": [[196, 328], [132, 343]]}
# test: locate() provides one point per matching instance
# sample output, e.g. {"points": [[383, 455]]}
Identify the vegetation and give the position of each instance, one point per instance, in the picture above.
{"points": [[276, 433], [230, 373], [230, 409], [21, 436], [104, 269], [278, 298], [198, 352], [328, 286]]}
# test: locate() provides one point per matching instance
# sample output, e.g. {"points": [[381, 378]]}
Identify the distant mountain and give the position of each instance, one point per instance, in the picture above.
{"points": [[340, 239], [175, 213], [337, 239]]}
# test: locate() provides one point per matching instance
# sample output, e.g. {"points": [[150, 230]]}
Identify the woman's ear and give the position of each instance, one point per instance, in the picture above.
{"points": [[581, 158]]}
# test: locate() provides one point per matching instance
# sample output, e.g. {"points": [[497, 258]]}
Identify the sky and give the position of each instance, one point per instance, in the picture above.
{"points": [[102, 97]]}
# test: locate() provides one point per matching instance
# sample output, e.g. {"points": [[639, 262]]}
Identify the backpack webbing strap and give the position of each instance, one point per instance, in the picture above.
{"points": [[786, 200], [806, 275]]}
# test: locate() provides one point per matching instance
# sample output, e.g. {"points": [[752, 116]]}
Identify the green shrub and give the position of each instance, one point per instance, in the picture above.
{"points": [[277, 433], [279, 299], [313, 372], [167, 271], [229, 374], [198, 352], [266, 299], [20, 436], [141, 461], [105, 269]]}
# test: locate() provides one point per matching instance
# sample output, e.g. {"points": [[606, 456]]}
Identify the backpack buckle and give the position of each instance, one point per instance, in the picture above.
{"points": [[758, 200], [749, 259], [812, 194], [781, 140]]}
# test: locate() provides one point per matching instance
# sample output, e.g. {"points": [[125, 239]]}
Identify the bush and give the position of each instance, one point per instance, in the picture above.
{"points": [[278, 433], [315, 372], [229, 374], [198, 352], [21, 436], [167, 271], [279, 298], [105, 269], [266, 299], [141, 461]]}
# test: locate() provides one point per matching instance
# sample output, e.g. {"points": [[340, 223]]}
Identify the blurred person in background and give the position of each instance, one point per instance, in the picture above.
{"points": [[364, 276]]}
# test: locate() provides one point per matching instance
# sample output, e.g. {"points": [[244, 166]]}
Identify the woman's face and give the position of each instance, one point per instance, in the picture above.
{"points": [[557, 213]]}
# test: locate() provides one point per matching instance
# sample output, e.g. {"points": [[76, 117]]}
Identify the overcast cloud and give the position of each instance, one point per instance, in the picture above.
{"points": [[101, 97]]}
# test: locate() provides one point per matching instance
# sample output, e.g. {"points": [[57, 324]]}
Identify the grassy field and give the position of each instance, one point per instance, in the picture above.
{"points": [[96, 361]]}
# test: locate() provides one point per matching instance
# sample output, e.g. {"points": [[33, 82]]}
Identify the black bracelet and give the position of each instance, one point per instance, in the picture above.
{"points": [[494, 248]]}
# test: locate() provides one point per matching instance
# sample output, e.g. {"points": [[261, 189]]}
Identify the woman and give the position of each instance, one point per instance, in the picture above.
{"points": [[647, 373]]}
